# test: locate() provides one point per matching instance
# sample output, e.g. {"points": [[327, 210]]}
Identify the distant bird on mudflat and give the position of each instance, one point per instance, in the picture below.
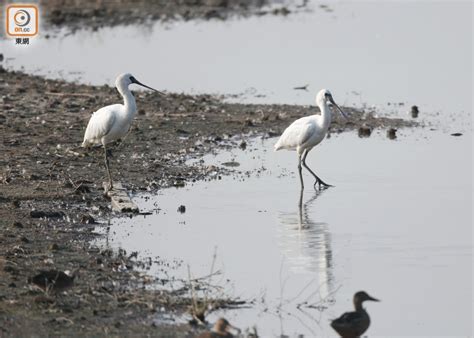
{"points": [[354, 324], [112, 122], [220, 330], [307, 132]]}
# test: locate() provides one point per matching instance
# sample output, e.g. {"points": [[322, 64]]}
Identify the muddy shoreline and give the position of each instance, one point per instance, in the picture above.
{"points": [[43, 170]]}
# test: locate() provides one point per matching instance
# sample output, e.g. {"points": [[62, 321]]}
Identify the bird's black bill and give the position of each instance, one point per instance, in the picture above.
{"points": [[143, 85], [373, 299], [334, 103]]}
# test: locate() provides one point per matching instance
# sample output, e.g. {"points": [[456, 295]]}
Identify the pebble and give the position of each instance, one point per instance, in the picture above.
{"points": [[87, 219], [414, 112], [179, 183], [364, 131], [273, 134], [18, 225], [54, 247], [392, 133]]}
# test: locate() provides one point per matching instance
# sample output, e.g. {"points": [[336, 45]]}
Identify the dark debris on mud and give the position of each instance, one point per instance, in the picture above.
{"points": [[52, 203], [92, 14]]}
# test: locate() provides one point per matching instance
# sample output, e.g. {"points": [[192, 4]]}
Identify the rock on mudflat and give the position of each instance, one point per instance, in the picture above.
{"points": [[87, 219], [392, 133], [364, 131], [52, 280], [119, 198]]}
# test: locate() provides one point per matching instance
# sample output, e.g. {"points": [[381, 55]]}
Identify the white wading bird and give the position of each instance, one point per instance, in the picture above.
{"points": [[305, 133], [113, 122]]}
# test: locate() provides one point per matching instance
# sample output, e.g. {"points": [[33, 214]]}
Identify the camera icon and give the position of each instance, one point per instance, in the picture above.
{"points": [[22, 20]]}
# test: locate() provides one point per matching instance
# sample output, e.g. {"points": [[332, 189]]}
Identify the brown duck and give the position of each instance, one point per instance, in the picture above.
{"points": [[220, 330], [354, 324]]}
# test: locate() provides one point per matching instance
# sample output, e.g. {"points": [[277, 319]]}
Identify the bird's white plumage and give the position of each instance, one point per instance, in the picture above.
{"points": [[307, 132], [112, 122], [100, 124], [301, 134]]}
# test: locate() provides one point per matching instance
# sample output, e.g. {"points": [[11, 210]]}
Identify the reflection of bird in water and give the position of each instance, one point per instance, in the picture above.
{"points": [[306, 243], [304, 220], [220, 330], [354, 324]]}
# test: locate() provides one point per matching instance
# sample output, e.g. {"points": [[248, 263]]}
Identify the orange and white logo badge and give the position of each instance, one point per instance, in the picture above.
{"points": [[22, 20]]}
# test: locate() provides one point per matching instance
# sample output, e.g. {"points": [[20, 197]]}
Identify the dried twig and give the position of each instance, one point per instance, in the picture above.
{"points": [[195, 310]]}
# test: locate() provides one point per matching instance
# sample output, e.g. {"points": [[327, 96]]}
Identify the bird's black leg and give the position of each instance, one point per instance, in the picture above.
{"points": [[318, 180], [300, 169], [107, 167]]}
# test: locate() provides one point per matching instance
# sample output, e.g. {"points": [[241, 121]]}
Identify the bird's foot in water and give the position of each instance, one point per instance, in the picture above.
{"points": [[318, 185]]}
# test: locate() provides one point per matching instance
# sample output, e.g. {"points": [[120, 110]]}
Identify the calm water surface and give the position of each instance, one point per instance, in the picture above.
{"points": [[365, 52], [398, 224]]}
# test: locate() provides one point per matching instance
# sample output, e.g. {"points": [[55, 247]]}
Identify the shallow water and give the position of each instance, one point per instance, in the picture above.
{"points": [[363, 51], [398, 224]]}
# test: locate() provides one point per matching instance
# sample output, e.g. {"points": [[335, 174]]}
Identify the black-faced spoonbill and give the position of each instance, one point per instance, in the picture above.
{"points": [[307, 132], [354, 324], [113, 122]]}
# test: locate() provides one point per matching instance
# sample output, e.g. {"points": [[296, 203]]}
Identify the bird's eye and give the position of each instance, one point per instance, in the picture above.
{"points": [[132, 79]]}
